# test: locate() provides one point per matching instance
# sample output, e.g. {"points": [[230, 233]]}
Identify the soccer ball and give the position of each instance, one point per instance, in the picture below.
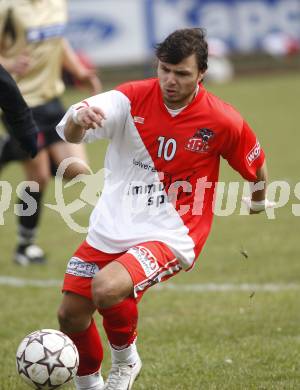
{"points": [[47, 359]]}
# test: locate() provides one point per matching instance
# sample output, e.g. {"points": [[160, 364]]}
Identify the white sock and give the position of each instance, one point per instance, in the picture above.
{"points": [[26, 236], [89, 382], [127, 355]]}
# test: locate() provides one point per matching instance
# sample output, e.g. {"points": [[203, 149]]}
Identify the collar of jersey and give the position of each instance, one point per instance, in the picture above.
{"points": [[185, 109]]}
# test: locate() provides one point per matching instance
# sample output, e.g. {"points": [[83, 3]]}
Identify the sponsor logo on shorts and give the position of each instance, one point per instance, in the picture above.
{"points": [[254, 153], [78, 267], [145, 258]]}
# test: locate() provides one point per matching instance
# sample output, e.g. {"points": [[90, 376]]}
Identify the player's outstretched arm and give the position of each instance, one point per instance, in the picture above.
{"points": [[258, 201], [78, 70], [17, 65], [82, 120]]}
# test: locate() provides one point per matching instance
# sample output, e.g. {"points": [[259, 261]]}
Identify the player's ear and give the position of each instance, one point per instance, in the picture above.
{"points": [[201, 76]]}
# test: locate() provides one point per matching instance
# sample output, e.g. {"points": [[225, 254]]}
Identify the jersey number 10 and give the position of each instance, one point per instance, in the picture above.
{"points": [[167, 148]]}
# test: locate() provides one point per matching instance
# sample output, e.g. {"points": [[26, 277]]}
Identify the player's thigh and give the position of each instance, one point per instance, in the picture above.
{"points": [[86, 264], [38, 169], [149, 263], [60, 151], [111, 285], [75, 312]]}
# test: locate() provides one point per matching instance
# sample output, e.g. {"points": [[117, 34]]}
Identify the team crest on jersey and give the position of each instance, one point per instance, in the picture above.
{"points": [[200, 141]]}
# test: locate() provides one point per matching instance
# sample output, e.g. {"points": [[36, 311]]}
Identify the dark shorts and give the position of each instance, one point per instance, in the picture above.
{"points": [[46, 117]]}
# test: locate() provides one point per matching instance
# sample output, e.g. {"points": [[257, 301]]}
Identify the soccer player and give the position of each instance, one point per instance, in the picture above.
{"points": [[34, 51], [167, 135]]}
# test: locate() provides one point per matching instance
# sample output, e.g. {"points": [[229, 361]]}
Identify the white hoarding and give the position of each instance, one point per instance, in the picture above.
{"points": [[109, 31]]}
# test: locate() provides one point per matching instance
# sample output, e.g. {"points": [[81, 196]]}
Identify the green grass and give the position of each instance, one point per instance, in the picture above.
{"points": [[192, 340]]}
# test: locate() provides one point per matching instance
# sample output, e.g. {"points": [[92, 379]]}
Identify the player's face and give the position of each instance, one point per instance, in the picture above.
{"points": [[178, 82]]}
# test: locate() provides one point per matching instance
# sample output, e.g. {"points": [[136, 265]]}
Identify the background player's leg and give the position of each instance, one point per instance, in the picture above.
{"points": [[75, 319], [36, 170], [61, 150]]}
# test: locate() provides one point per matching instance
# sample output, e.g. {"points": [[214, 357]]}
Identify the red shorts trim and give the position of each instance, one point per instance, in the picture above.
{"points": [[148, 263]]}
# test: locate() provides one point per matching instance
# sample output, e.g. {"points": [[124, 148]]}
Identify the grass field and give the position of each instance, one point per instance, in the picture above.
{"points": [[192, 338]]}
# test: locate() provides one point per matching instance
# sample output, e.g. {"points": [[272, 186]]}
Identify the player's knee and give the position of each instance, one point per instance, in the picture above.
{"points": [[67, 320], [62, 317], [105, 293], [42, 178]]}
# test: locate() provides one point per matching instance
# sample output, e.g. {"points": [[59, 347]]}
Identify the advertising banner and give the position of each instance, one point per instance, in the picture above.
{"points": [[125, 31], [109, 31]]}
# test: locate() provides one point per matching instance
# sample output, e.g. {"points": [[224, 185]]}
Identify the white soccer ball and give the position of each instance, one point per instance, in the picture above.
{"points": [[47, 359]]}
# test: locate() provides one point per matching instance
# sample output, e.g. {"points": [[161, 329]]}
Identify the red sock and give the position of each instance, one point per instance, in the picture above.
{"points": [[120, 322], [90, 349]]}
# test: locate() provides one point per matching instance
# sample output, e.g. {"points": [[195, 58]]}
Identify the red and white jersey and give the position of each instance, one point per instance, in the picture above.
{"points": [[162, 170]]}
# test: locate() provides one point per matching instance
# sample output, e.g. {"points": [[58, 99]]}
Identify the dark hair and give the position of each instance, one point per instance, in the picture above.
{"points": [[183, 43]]}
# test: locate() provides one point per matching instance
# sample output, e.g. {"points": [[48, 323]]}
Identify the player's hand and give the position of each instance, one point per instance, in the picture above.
{"points": [[89, 118], [90, 77], [255, 207], [18, 65]]}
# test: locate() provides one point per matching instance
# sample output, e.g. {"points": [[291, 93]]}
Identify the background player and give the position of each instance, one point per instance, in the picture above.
{"points": [[33, 50], [167, 136]]}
